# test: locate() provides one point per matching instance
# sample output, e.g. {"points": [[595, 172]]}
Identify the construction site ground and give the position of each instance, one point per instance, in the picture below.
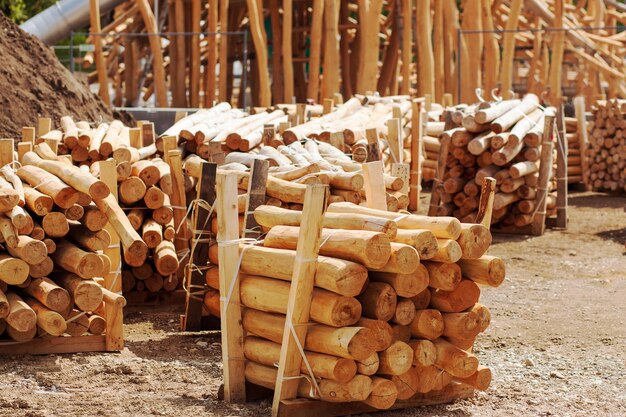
{"points": [[556, 344]]}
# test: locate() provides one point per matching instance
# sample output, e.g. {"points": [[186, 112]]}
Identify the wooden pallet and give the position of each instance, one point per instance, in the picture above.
{"points": [[111, 341]]}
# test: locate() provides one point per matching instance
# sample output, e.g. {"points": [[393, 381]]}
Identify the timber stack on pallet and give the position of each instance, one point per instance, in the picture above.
{"points": [[146, 191], [59, 290], [606, 153], [525, 46], [383, 319], [511, 141]]}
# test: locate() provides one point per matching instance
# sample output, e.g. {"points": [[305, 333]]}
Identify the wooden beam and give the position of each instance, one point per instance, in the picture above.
{"points": [[259, 39], [472, 21], [179, 206], [94, 19], [369, 45], [228, 254], [195, 276], [300, 295]]}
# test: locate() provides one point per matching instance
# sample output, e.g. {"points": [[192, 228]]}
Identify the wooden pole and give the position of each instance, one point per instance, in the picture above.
{"points": [[209, 69], [492, 48], [200, 249], [113, 279], [228, 253], [223, 91], [557, 49], [300, 295], [94, 18], [439, 57], [416, 156], [330, 81], [485, 205], [181, 46], [259, 38], [407, 52], [583, 140], [539, 221], [255, 197], [179, 205], [561, 170], [375, 191], [508, 48], [425, 69], [277, 80], [194, 71], [157, 52], [316, 49], [369, 45], [287, 50]]}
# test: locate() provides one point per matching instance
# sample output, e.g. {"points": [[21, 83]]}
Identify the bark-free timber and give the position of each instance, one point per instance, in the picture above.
{"points": [[486, 270], [427, 324], [405, 285], [86, 294], [463, 297], [49, 294], [453, 360]]}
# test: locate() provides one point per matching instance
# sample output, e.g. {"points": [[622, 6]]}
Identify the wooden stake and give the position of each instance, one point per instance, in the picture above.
{"points": [[316, 50], [561, 170], [157, 52], [255, 10], [223, 91], [113, 280], [407, 53], [300, 295], [330, 81], [417, 130], [209, 69], [375, 185], [179, 205], [508, 48], [426, 70], [583, 141], [539, 221], [255, 197], [228, 253], [485, 205], [287, 49]]}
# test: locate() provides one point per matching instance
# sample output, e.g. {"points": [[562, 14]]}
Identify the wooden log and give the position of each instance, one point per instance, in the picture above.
{"points": [[13, 271], [21, 317], [49, 321], [267, 353], [382, 331], [484, 315], [379, 301], [507, 120], [427, 324], [4, 307], [336, 275], [405, 312], [55, 224], [422, 240], [463, 297], [486, 270], [29, 250], [165, 258], [93, 219], [441, 227], [326, 307], [368, 366], [268, 216], [49, 294], [97, 324], [481, 379], [39, 203], [405, 285], [448, 251], [406, 384], [146, 171], [345, 342], [474, 240], [443, 276], [73, 259], [85, 294], [397, 359], [422, 300], [404, 259], [424, 352], [152, 233], [453, 360], [464, 325], [384, 394], [371, 249]]}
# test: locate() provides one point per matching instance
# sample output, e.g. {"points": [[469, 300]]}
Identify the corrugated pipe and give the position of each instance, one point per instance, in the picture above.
{"points": [[59, 20]]}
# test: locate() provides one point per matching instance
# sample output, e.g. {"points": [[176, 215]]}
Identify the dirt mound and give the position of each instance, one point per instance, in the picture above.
{"points": [[33, 84]]}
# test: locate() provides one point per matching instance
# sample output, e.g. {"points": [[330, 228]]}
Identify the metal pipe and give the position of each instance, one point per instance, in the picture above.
{"points": [[61, 19]]}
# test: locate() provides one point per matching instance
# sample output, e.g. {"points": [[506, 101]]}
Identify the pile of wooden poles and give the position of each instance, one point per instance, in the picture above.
{"points": [[394, 310], [502, 140], [606, 152], [56, 231]]}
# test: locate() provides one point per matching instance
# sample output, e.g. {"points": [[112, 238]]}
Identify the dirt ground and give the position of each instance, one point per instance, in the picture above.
{"points": [[556, 345]]}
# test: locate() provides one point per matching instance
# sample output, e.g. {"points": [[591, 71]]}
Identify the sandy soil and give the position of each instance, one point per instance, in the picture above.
{"points": [[556, 343]]}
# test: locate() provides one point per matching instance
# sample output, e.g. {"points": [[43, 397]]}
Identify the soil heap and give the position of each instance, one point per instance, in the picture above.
{"points": [[33, 84]]}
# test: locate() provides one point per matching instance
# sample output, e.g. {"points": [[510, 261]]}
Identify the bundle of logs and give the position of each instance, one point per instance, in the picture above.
{"points": [[394, 310], [145, 187], [502, 140], [55, 239], [606, 152]]}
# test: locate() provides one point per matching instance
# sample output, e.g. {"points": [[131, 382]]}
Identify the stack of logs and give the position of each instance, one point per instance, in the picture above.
{"points": [[53, 234], [394, 311], [145, 185], [606, 152], [500, 140]]}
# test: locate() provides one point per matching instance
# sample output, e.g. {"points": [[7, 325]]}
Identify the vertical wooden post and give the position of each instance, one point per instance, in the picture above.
{"points": [[179, 206], [369, 44], [22, 148], [255, 10], [158, 67], [194, 71], [28, 134], [492, 48], [169, 144], [508, 48], [277, 66], [313, 87], [472, 21], [402, 171], [394, 138], [407, 52], [6, 151], [113, 280], [557, 49], [44, 125], [211, 62], [485, 204], [195, 275], [255, 197], [300, 295], [561, 170], [438, 30], [223, 92], [579, 107], [545, 169], [337, 140], [94, 19], [330, 81], [435, 196], [328, 105], [148, 135], [373, 149], [181, 46], [228, 253], [113, 309], [425, 68], [417, 130], [287, 50], [375, 191]]}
